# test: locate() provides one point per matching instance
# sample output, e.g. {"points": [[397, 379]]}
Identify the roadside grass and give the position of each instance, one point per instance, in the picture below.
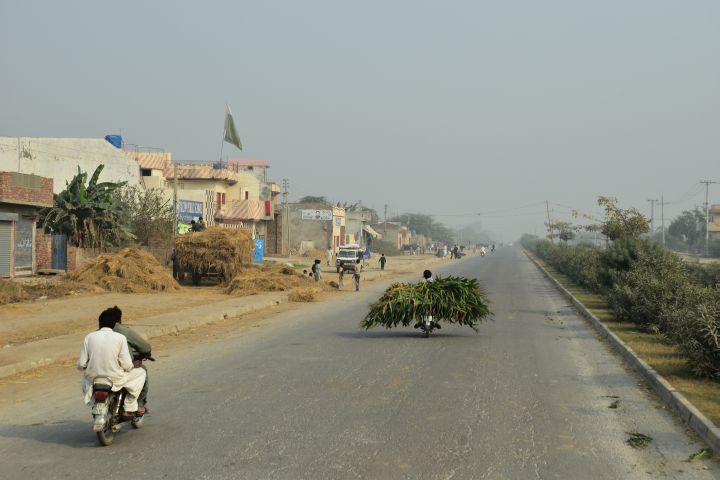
{"points": [[652, 348]]}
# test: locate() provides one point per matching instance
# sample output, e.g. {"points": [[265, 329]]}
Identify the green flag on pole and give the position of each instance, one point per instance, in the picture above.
{"points": [[231, 135]]}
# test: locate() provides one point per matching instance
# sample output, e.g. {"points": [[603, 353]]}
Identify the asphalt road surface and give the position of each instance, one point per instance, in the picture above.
{"points": [[311, 396]]}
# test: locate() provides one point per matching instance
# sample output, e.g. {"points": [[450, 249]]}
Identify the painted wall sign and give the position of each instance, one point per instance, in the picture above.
{"points": [[316, 215]]}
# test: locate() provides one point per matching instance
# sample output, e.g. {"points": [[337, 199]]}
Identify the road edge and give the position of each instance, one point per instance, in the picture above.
{"points": [[687, 412]]}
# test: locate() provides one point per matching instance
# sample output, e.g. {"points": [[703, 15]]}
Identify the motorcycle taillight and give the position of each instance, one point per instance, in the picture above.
{"points": [[100, 396]]}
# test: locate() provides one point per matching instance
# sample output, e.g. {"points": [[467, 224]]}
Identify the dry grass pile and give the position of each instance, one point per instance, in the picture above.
{"points": [[216, 249], [304, 294], [11, 292], [130, 270], [313, 253], [266, 278]]}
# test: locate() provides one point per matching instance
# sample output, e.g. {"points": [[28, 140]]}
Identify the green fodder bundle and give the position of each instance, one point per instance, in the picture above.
{"points": [[218, 249], [11, 292], [452, 299], [130, 270]]}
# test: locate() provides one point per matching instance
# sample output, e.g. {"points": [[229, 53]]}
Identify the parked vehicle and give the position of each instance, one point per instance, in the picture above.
{"points": [[107, 410], [348, 255]]}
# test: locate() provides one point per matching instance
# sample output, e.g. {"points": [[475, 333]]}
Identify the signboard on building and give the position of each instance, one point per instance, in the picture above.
{"points": [[317, 215], [189, 210]]}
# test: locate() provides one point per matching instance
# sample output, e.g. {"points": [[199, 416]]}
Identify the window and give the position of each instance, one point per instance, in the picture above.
{"points": [[247, 195], [145, 172]]}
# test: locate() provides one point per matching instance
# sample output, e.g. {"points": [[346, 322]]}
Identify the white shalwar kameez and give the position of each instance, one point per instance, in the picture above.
{"points": [[105, 353]]}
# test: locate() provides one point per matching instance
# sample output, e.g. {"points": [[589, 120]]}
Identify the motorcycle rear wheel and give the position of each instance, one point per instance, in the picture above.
{"points": [[107, 436]]}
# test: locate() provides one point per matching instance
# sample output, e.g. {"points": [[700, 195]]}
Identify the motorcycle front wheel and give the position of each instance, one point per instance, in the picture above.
{"points": [[138, 422]]}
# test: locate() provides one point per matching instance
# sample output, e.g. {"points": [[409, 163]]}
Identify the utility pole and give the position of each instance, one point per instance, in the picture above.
{"points": [[175, 200], [652, 215], [286, 205], [707, 215], [547, 208], [662, 218], [385, 224]]}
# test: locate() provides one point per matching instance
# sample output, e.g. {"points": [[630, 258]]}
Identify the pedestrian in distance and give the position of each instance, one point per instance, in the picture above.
{"points": [[341, 274], [356, 275], [382, 261], [318, 270], [329, 255]]}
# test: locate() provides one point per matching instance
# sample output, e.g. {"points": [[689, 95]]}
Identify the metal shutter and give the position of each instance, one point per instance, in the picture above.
{"points": [[5, 248]]}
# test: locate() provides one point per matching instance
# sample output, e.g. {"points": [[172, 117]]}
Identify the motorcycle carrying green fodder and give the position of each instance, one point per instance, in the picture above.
{"points": [[451, 299]]}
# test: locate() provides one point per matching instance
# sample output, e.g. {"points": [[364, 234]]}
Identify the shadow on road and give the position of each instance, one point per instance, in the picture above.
{"points": [[70, 433], [410, 333]]}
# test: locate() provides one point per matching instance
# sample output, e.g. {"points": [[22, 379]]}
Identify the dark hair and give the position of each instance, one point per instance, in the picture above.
{"points": [[427, 274], [109, 317], [317, 261]]}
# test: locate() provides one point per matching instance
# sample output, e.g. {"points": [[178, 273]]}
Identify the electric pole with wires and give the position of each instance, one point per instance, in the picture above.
{"points": [[707, 184]]}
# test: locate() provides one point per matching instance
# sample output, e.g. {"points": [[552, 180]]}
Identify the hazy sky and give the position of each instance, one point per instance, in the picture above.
{"points": [[454, 107]]}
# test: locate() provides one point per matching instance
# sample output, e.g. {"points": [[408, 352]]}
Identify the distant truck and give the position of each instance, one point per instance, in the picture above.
{"points": [[349, 255]]}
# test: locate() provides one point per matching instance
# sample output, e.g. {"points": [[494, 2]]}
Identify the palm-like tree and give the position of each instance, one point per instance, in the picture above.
{"points": [[90, 215]]}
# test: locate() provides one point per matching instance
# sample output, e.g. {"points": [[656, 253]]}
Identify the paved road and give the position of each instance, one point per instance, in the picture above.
{"points": [[310, 396]]}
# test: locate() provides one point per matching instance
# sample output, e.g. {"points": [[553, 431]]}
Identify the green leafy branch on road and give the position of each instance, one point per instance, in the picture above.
{"points": [[452, 299]]}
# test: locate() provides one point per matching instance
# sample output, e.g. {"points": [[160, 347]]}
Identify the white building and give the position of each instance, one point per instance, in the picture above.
{"points": [[59, 159]]}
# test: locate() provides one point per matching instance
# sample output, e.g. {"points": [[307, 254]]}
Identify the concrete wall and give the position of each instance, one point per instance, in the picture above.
{"points": [[59, 158], [317, 231]]}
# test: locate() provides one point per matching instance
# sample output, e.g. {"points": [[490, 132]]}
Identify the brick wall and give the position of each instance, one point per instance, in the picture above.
{"points": [[43, 250], [79, 257], [26, 189], [274, 236]]}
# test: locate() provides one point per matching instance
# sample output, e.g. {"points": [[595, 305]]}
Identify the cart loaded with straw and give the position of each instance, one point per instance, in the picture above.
{"points": [[455, 300]]}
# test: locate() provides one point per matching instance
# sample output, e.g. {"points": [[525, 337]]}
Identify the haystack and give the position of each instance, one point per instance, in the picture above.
{"points": [[218, 249], [259, 280], [130, 270], [304, 294]]}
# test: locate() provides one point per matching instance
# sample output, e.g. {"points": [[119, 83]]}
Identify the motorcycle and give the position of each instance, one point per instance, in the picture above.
{"points": [[107, 408], [428, 325]]}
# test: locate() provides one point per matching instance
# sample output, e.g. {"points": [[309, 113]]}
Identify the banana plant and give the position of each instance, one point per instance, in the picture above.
{"points": [[88, 212]]}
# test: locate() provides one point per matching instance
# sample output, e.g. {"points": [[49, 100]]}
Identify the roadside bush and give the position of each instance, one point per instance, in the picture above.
{"points": [[707, 275], [695, 329], [580, 263], [652, 287]]}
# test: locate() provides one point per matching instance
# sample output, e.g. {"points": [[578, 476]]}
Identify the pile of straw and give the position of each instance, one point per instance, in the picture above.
{"points": [[223, 250], [130, 270], [265, 278], [304, 294], [11, 292]]}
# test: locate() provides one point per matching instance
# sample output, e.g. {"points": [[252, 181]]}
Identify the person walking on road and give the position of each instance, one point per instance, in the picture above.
{"points": [[356, 275], [382, 261], [317, 270], [329, 255], [341, 274]]}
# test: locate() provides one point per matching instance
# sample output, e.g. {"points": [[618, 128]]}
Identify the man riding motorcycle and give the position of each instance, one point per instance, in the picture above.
{"points": [[139, 349], [105, 353]]}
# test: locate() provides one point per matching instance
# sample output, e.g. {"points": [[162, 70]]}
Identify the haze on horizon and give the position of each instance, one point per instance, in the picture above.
{"points": [[449, 108]]}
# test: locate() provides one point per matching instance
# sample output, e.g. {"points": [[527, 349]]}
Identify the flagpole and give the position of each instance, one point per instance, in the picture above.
{"points": [[222, 142]]}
